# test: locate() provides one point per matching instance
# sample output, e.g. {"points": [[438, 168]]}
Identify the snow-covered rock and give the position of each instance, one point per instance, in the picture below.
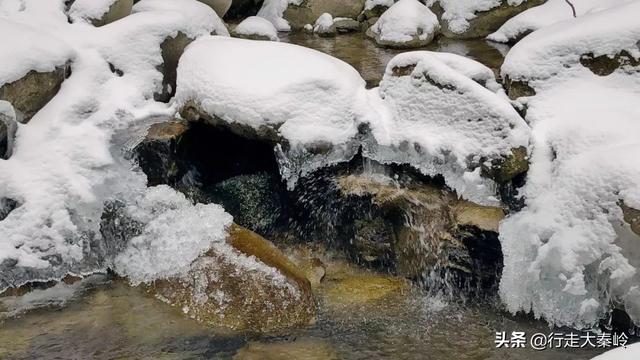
{"points": [[99, 12], [273, 10], [549, 13], [67, 161], [31, 73], [477, 18], [256, 28], [631, 352], [325, 26], [445, 115], [569, 253], [219, 6], [407, 24], [8, 127]]}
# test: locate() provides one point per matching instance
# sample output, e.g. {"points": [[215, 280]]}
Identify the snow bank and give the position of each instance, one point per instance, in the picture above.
{"points": [[68, 161], [174, 234], [444, 117], [569, 253], [255, 26], [549, 13], [457, 13], [405, 22], [631, 352], [273, 10]]}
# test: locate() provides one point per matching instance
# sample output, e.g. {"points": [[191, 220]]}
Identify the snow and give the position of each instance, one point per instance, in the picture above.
{"points": [[86, 10], [457, 13], [32, 49], [370, 4], [68, 161], [174, 235], [273, 11], [257, 26], [631, 352], [568, 254], [405, 21], [549, 13]]}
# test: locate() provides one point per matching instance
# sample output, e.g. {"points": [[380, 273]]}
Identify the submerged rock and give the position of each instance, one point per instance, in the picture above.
{"points": [[308, 11], [475, 20], [33, 91], [261, 291], [8, 127]]}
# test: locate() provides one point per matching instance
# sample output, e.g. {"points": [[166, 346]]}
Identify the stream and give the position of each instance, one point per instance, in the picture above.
{"points": [[101, 317]]}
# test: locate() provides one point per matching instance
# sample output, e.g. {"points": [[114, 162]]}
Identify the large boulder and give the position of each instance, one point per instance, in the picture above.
{"points": [[219, 6], [258, 289], [8, 127], [407, 24], [310, 10], [477, 19], [100, 13]]}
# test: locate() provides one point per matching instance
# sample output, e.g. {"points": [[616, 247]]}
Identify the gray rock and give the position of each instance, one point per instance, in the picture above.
{"points": [[310, 10], [117, 10], [8, 127]]}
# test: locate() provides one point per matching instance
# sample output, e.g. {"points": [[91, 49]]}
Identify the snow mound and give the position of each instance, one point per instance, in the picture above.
{"points": [[457, 13], [405, 22], [273, 11], [31, 49], [549, 13], [174, 234], [444, 117], [568, 254], [68, 162], [255, 26], [86, 10]]}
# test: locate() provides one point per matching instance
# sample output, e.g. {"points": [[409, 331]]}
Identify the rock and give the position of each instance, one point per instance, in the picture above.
{"points": [[219, 6], [33, 91], [417, 228], [241, 9], [156, 154], [506, 169], [310, 10], [374, 11], [346, 25], [407, 24], [256, 28], [221, 289], [256, 201], [6, 207], [632, 217], [604, 65], [82, 10], [517, 88], [8, 127], [172, 49], [308, 349], [484, 22], [325, 26]]}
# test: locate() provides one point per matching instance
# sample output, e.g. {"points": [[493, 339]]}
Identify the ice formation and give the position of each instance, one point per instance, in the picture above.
{"points": [[549, 13], [568, 253], [257, 26], [405, 21], [65, 163]]}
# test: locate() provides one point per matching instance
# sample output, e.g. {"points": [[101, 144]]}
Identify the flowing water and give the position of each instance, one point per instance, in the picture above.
{"points": [[103, 318]]}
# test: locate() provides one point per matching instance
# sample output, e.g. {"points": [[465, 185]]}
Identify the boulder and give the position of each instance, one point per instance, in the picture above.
{"points": [[632, 217], [260, 291], [456, 22], [310, 10], [156, 154], [324, 26], [256, 28], [8, 127], [406, 24], [33, 91], [346, 25], [85, 10], [219, 6], [241, 9], [172, 49]]}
